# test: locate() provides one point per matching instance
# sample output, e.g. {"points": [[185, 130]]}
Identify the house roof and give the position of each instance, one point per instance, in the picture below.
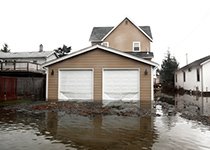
{"points": [[73, 54], [142, 54], [43, 54], [99, 33], [196, 63]]}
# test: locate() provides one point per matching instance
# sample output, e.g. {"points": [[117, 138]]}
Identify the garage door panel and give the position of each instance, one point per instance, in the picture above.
{"points": [[121, 85], [76, 85]]}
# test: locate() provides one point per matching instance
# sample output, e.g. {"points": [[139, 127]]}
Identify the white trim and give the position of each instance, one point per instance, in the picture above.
{"points": [[102, 48], [132, 23], [136, 42], [47, 82], [205, 62], [139, 79], [71, 69], [106, 44], [152, 84]]}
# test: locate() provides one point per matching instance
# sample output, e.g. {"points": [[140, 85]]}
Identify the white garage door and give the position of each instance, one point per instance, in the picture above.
{"points": [[75, 85], [121, 84]]}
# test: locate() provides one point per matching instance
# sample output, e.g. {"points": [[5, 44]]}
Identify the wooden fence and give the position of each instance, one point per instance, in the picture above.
{"points": [[22, 87]]}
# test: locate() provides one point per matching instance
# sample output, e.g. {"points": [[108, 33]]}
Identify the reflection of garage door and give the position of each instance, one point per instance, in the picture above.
{"points": [[121, 84], [75, 85]]}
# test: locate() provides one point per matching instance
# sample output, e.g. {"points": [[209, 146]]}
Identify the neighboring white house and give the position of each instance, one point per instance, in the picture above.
{"points": [[194, 76]]}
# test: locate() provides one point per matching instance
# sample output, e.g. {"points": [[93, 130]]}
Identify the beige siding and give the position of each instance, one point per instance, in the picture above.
{"points": [[124, 35], [99, 59]]}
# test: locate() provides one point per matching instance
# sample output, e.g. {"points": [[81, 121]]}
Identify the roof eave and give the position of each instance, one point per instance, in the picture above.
{"points": [[104, 48]]}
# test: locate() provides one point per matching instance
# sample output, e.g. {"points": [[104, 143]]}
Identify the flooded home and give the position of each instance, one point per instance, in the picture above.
{"points": [[100, 97], [109, 70], [194, 77]]}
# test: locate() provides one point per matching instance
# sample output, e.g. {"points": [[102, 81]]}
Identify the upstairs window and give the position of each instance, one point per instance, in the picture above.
{"points": [[136, 46], [105, 44], [198, 74]]}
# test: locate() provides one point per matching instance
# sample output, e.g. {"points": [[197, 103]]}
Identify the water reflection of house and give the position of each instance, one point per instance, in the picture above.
{"points": [[101, 132], [21, 74], [198, 103], [194, 76]]}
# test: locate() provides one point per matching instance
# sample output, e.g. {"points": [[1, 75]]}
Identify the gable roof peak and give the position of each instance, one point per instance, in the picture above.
{"points": [[100, 33]]}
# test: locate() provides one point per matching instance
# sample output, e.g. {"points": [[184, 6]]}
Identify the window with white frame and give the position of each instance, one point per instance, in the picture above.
{"points": [[105, 44], [136, 46]]}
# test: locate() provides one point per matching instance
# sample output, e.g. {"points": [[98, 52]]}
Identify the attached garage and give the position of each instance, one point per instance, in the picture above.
{"points": [[121, 84], [75, 84], [100, 74]]}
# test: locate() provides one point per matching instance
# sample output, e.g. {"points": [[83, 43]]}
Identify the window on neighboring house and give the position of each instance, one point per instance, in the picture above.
{"points": [[184, 76], [105, 44], [198, 74], [136, 46]]}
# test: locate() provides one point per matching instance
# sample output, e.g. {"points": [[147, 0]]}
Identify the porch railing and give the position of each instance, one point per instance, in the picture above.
{"points": [[20, 66]]}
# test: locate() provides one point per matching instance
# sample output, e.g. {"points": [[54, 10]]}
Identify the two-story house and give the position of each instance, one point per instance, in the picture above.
{"points": [[194, 76], [117, 66], [126, 37]]}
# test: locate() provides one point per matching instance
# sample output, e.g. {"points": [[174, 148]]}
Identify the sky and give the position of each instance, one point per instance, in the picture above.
{"points": [[180, 26]]}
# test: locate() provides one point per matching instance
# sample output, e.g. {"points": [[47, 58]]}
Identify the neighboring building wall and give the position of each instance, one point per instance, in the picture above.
{"points": [[124, 35], [99, 59], [191, 82], [206, 78]]}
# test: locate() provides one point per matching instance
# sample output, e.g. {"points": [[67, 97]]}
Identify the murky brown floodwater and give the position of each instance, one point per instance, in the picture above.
{"points": [[57, 130]]}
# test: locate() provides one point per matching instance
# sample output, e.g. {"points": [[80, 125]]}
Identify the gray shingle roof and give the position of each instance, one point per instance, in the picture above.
{"points": [[195, 63], [98, 33], [43, 54], [142, 54]]}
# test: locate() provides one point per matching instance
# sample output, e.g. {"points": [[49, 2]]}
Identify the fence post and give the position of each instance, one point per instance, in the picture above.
{"points": [[14, 65], [1, 65], [27, 66]]}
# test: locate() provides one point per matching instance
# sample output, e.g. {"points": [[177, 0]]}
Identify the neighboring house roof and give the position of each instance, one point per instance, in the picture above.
{"points": [[43, 54], [99, 33], [195, 63], [102, 48]]}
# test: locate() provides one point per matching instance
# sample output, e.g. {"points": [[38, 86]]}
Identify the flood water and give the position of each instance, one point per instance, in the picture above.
{"points": [[58, 130], [202, 104]]}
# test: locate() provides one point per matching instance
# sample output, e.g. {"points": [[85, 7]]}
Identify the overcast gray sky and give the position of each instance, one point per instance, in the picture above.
{"points": [[182, 26]]}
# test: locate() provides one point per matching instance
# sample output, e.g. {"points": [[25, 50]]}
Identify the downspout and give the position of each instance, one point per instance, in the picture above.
{"points": [[201, 80]]}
